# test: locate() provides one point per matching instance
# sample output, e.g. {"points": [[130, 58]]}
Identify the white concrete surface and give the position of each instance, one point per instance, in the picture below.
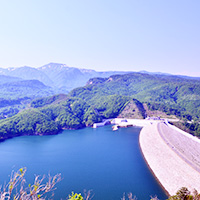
{"points": [[169, 168]]}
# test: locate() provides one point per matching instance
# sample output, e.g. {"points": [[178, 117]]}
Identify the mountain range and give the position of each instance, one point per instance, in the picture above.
{"points": [[57, 76], [89, 96], [60, 77], [21, 85]]}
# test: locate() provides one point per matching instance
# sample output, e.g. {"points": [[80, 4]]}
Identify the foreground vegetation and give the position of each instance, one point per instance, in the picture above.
{"points": [[40, 190]]}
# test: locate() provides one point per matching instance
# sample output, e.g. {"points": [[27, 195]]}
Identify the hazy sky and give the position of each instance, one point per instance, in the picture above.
{"points": [[131, 35]]}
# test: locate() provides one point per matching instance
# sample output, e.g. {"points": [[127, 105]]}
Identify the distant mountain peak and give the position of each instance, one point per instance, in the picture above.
{"points": [[157, 73], [11, 69], [54, 66], [61, 76], [86, 70]]}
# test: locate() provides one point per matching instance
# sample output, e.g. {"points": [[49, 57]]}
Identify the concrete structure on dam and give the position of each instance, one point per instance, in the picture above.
{"points": [[172, 154]]}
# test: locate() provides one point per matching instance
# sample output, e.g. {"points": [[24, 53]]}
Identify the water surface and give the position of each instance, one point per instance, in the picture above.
{"points": [[107, 162]]}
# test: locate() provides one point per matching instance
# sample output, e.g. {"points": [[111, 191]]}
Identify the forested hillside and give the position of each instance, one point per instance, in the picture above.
{"points": [[16, 93], [71, 113], [24, 88], [180, 96], [173, 95], [50, 115], [118, 95]]}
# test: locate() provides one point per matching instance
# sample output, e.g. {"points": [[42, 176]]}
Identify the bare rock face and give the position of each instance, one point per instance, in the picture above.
{"points": [[133, 110]]}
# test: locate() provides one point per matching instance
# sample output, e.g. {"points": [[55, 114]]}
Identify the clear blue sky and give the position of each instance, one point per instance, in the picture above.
{"points": [[131, 35]]}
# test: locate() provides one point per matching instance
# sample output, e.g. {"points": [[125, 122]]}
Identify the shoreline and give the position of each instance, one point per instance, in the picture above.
{"points": [[168, 167], [3, 139]]}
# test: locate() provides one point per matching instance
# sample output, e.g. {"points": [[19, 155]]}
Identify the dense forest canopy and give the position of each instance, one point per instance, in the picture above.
{"points": [[160, 91], [72, 113], [104, 98]]}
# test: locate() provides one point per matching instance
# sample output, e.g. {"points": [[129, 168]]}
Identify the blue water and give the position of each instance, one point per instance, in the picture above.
{"points": [[107, 162]]}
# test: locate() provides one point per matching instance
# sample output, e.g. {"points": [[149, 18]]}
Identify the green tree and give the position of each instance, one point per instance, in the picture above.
{"points": [[185, 194], [75, 196]]}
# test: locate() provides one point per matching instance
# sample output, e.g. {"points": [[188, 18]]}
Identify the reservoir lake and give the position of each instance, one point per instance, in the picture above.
{"points": [[107, 162]]}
